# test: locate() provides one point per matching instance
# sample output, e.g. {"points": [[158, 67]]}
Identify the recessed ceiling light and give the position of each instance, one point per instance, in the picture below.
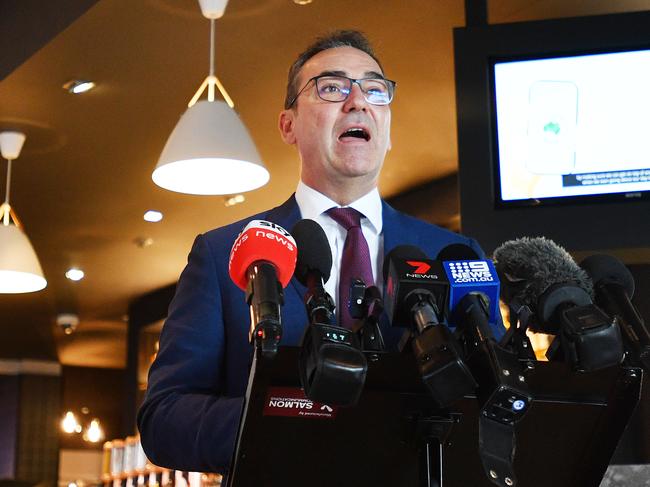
{"points": [[153, 216], [302, 2], [77, 86], [74, 274], [143, 242], [234, 200]]}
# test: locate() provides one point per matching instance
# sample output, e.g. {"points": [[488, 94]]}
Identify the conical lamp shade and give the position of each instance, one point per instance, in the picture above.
{"points": [[20, 271], [210, 152]]}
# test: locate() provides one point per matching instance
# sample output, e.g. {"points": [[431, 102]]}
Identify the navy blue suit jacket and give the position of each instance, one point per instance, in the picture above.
{"points": [[191, 412]]}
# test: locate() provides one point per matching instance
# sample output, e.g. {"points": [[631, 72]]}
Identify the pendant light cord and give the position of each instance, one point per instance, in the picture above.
{"points": [[211, 47], [211, 81], [5, 209], [8, 181]]}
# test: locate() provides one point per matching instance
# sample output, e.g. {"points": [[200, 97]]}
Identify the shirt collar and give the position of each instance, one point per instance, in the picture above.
{"points": [[312, 204]]}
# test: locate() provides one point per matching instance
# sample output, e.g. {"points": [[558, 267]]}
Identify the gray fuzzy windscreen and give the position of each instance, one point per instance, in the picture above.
{"points": [[528, 266]]}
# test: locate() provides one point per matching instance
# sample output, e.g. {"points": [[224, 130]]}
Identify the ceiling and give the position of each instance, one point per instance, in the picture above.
{"points": [[83, 180]]}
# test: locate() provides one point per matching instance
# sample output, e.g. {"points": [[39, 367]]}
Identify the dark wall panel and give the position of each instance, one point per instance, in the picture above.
{"points": [[38, 436], [8, 424]]}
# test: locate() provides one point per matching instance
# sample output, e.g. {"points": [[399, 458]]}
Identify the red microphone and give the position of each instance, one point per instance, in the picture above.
{"points": [[262, 261], [262, 241]]}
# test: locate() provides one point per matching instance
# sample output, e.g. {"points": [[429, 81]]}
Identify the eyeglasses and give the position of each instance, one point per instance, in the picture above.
{"points": [[376, 91]]}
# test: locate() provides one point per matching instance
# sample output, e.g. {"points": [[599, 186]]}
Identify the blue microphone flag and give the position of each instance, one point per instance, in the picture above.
{"points": [[466, 276]]}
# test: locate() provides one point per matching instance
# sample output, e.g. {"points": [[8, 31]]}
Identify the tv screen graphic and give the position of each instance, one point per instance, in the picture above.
{"points": [[573, 126]]}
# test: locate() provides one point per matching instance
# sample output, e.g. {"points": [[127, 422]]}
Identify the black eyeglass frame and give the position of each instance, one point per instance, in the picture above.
{"points": [[389, 82]]}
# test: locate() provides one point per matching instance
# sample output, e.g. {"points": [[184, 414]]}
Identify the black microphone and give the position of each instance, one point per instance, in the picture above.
{"points": [[614, 287], [539, 274], [457, 251], [416, 297], [313, 266], [367, 305], [332, 366], [416, 288]]}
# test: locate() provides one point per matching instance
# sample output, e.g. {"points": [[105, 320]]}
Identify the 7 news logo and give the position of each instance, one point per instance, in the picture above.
{"points": [[420, 267], [470, 271], [420, 270]]}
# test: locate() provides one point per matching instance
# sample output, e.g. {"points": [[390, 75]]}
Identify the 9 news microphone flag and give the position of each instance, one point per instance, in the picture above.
{"points": [[466, 276]]}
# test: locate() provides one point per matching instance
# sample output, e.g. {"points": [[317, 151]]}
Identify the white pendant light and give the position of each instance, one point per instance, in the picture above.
{"points": [[210, 151], [20, 270]]}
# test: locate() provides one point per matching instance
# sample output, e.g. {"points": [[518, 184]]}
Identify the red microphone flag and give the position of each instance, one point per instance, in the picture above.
{"points": [[263, 241]]}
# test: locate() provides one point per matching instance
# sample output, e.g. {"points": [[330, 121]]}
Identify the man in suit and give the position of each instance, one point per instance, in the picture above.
{"points": [[337, 114]]}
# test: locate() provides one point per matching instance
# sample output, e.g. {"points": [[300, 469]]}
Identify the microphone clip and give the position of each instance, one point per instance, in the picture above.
{"points": [[515, 339], [367, 305], [332, 367]]}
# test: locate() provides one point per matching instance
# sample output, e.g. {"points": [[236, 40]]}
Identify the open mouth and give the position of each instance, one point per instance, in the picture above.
{"points": [[355, 132]]}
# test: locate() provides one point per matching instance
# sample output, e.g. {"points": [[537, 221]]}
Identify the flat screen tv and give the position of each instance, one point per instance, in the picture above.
{"points": [[573, 126], [554, 130]]}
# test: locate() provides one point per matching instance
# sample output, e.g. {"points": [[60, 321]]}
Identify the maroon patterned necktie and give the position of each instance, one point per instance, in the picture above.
{"points": [[355, 261]]}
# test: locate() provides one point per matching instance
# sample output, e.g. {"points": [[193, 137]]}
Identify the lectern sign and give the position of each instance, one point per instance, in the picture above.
{"points": [[292, 402]]}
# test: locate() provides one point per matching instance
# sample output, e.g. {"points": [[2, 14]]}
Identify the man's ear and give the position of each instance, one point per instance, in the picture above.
{"points": [[285, 124]]}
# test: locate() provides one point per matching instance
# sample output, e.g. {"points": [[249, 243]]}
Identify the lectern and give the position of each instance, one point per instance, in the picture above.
{"points": [[396, 436]]}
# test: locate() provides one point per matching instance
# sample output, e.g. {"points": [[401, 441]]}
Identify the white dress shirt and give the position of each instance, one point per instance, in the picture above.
{"points": [[314, 205]]}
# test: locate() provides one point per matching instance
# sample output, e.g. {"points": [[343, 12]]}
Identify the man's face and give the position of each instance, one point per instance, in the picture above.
{"points": [[320, 129]]}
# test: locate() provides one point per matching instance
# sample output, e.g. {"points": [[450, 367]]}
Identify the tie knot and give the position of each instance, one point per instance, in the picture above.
{"points": [[346, 217]]}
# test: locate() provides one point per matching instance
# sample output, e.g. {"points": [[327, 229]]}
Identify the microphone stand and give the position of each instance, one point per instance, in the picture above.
{"points": [[515, 338], [432, 432]]}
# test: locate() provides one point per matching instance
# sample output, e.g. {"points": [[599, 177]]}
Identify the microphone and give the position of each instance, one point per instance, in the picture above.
{"points": [[468, 273], [541, 275], [474, 307], [416, 297], [262, 261], [313, 270], [502, 392], [331, 365], [614, 286], [457, 251], [416, 288]]}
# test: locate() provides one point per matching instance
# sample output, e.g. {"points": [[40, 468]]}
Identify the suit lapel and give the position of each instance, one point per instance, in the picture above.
{"points": [[287, 215], [396, 231]]}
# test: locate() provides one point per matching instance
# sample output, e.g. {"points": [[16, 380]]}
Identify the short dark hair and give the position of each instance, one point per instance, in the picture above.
{"points": [[338, 38]]}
